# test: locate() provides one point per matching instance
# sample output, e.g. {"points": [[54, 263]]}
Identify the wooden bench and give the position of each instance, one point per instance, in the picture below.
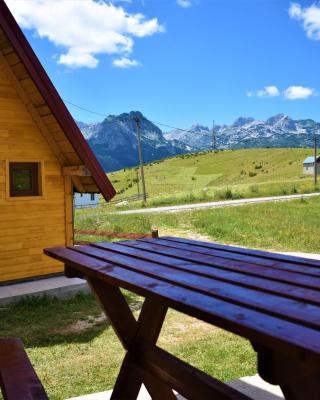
{"points": [[18, 379], [272, 300]]}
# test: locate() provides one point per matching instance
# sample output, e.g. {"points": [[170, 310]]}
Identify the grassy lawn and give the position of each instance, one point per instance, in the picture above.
{"points": [[218, 175], [76, 352], [283, 226]]}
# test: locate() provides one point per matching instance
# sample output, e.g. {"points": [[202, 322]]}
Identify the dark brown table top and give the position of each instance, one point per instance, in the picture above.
{"points": [[270, 299]]}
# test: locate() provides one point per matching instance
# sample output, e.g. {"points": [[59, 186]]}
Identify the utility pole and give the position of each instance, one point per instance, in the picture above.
{"points": [[214, 138], [144, 195], [138, 187], [315, 159]]}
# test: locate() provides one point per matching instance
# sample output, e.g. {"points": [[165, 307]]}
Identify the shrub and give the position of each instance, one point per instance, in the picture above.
{"points": [[193, 178], [225, 194], [251, 174], [254, 188]]}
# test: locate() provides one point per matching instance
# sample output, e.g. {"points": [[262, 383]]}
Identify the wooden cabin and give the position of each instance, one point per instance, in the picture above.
{"points": [[43, 159]]}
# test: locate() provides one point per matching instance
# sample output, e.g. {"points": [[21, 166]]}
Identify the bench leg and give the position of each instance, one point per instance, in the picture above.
{"points": [[129, 331]]}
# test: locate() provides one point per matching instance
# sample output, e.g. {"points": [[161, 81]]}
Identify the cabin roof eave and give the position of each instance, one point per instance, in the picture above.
{"points": [[53, 100]]}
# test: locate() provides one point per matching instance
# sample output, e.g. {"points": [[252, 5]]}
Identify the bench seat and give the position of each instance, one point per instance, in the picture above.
{"points": [[18, 379]]}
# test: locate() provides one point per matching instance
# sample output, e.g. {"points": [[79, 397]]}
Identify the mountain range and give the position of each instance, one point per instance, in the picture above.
{"points": [[114, 140]]}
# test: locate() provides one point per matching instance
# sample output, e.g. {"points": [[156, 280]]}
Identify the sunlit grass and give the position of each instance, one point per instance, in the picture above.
{"points": [[76, 352], [218, 175], [284, 226]]}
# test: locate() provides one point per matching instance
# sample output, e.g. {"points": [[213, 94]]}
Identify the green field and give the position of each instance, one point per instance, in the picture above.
{"points": [[79, 353], [283, 226], [219, 175]]}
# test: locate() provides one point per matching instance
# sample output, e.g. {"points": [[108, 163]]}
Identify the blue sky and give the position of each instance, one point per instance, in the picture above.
{"points": [[179, 61]]}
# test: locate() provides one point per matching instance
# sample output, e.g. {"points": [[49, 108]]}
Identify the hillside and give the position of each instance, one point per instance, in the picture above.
{"points": [[222, 174]]}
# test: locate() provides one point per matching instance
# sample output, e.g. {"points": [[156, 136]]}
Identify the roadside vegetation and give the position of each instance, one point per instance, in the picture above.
{"points": [[217, 175], [76, 352], [283, 226]]}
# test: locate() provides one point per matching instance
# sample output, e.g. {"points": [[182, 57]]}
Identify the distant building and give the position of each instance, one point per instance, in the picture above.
{"points": [[308, 165], [86, 200]]}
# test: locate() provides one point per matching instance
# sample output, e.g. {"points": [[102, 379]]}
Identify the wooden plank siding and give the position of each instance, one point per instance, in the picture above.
{"points": [[33, 102], [29, 224], [35, 126]]}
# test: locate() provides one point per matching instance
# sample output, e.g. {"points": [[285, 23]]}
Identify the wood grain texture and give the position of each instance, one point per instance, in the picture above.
{"points": [[28, 224], [260, 326], [18, 379], [277, 310]]}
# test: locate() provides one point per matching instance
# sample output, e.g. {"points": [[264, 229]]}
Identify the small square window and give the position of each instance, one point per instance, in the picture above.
{"points": [[92, 197], [24, 179]]}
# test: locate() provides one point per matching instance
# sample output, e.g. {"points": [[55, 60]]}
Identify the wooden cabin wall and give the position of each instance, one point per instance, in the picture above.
{"points": [[27, 225]]}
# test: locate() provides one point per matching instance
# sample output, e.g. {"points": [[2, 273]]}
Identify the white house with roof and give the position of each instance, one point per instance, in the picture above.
{"points": [[86, 200], [308, 165]]}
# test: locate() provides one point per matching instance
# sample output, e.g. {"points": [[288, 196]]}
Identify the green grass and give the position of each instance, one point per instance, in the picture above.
{"points": [[219, 175], [75, 352], [284, 226]]}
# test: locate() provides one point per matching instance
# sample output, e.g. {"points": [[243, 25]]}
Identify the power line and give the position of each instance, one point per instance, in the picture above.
{"points": [[105, 116], [84, 109]]}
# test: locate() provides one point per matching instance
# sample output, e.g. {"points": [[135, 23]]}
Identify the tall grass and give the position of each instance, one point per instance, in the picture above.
{"points": [[290, 225]]}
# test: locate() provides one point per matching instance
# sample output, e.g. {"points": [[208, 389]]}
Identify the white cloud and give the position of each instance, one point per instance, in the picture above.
{"points": [[309, 16], [125, 62], [83, 29], [291, 93], [267, 91], [298, 92], [184, 3]]}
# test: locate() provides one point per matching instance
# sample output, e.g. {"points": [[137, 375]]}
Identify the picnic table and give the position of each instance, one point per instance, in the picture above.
{"points": [[272, 300]]}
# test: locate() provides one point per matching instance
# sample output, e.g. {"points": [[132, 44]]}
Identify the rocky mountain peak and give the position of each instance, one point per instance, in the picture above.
{"points": [[241, 121], [199, 128], [114, 140]]}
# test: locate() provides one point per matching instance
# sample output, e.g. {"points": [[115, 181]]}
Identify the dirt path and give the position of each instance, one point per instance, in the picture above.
{"points": [[213, 204]]}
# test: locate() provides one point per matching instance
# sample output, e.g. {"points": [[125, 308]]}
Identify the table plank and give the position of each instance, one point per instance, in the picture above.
{"points": [[157, 254], [278, 334], [269, 303], [243, 250], [257, 270], [252, 260]]}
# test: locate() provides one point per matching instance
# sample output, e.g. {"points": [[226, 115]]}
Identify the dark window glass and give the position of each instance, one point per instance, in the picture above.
{"points": [[24, 179], [92, 196]]}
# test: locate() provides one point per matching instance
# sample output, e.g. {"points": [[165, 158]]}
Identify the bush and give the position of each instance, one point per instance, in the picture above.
{"points": [[251, 174], [193, 178], [225, 194], [254, 188]]}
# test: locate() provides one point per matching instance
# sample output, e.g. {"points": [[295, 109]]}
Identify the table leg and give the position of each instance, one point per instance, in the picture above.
{"points": [[129, 331], [298, 379]]}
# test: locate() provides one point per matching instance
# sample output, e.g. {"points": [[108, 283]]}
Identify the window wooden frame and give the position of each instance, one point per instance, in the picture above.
{"points": [[33, 170], [25, 195]]}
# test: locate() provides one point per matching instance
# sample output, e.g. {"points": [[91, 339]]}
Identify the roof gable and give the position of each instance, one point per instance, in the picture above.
{"points": [[47, 107]]}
